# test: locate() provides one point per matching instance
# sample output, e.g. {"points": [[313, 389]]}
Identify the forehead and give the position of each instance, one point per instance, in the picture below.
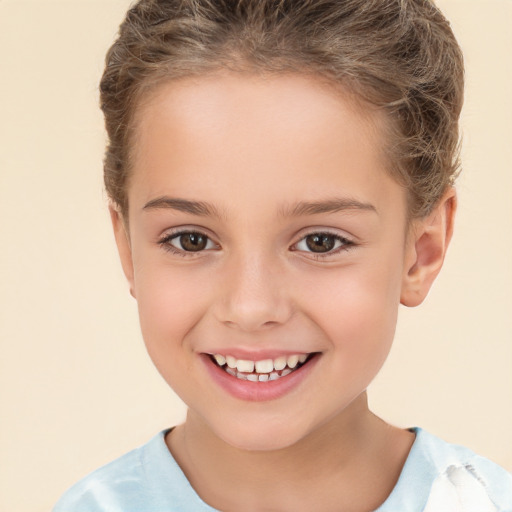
{"points": [[274, 101], [255, 134]]}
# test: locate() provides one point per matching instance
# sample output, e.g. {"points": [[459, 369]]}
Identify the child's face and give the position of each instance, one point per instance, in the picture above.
{"points": [[299, 248]]}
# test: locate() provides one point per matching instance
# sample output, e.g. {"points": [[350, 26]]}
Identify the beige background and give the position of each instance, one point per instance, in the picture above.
{"points": [[77, 388]]}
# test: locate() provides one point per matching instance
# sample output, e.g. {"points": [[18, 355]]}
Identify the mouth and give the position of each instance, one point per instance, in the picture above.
{"points": [[264, 370]]}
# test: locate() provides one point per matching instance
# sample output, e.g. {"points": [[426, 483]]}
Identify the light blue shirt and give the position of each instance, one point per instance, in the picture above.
{"points": [[437, 477]]}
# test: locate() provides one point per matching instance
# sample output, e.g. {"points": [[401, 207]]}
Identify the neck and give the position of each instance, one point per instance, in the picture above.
{"points": [[323, 471]]}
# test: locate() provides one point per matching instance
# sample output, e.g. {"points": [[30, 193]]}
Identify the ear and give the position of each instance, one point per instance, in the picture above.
{"points": [[426, 248], [123, 245]]}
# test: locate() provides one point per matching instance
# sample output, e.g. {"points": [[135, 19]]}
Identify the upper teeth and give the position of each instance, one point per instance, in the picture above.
{"points": [[262, 366]]}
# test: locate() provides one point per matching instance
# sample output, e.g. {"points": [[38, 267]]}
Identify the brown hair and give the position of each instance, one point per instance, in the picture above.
{"points": [[399, 55]]}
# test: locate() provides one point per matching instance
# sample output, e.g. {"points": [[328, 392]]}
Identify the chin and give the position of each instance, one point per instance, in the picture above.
{"points": [[262, 438]]}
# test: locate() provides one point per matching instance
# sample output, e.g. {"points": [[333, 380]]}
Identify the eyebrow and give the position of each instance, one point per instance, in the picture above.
{"points": [[302, 208], [328, 206], [183, 205]]}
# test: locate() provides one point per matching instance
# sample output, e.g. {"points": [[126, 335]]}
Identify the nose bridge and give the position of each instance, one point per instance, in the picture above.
{"points": [[253, 295]]}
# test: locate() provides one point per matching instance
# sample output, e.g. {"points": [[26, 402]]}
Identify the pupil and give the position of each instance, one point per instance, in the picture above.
{"points": [[320, 243], [193, 242]]}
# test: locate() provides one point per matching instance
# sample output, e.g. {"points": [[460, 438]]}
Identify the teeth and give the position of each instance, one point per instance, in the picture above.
{"points": [[293, 361], [262, 371], [221, 360], [231, 361], [265, 366], [280, 363], [245, 366]]}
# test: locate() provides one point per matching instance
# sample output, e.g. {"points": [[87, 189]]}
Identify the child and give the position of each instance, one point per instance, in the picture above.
{"points": [[281, 179]]}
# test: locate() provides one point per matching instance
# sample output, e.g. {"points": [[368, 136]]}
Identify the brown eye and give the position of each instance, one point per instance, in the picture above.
{"points": [[191, 242], [320, 242], [323, 244]]}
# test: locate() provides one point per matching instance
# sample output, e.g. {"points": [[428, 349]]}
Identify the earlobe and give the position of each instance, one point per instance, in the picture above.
{"points": [[426, 250], [123, 245]]}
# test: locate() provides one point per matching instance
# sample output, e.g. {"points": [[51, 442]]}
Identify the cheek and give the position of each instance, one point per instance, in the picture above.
{"points": [[361, 316], [358, 308], [170, 301]]}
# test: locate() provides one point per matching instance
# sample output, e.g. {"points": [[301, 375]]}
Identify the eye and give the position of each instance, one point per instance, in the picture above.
{"points": [[187, 241], [323, 243]]}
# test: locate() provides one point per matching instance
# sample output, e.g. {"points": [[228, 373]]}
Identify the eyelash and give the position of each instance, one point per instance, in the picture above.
{"points": [[165, 242], [346, 244]]}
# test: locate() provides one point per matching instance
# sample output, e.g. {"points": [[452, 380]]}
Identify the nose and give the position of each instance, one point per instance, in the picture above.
{"points": [[254, 294]]}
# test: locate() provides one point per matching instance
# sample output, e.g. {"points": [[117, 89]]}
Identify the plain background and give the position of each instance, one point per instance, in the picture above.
{"points": [[77, 388]]}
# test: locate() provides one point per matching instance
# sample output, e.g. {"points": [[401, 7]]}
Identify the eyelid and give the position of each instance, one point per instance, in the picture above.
{"points": [[347, 243], [179, 235], [171, 234], [180, 230]]}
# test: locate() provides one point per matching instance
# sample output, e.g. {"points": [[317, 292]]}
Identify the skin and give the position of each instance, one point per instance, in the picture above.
{"points": [[252, 147]]}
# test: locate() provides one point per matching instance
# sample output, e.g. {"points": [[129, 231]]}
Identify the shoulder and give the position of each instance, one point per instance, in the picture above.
{"points": [[104, 485], [444, 477], [465, 478], [145, 479], [131, 483]]}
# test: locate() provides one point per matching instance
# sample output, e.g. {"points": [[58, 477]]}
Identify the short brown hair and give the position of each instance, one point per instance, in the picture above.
{"points": [[399, 55]]}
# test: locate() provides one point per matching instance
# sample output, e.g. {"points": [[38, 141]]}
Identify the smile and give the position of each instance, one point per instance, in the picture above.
{"points": [[267, 376], [263, 370]]}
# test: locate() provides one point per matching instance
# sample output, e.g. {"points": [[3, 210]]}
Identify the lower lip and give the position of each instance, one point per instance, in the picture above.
{"points": [[258, 391]]}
